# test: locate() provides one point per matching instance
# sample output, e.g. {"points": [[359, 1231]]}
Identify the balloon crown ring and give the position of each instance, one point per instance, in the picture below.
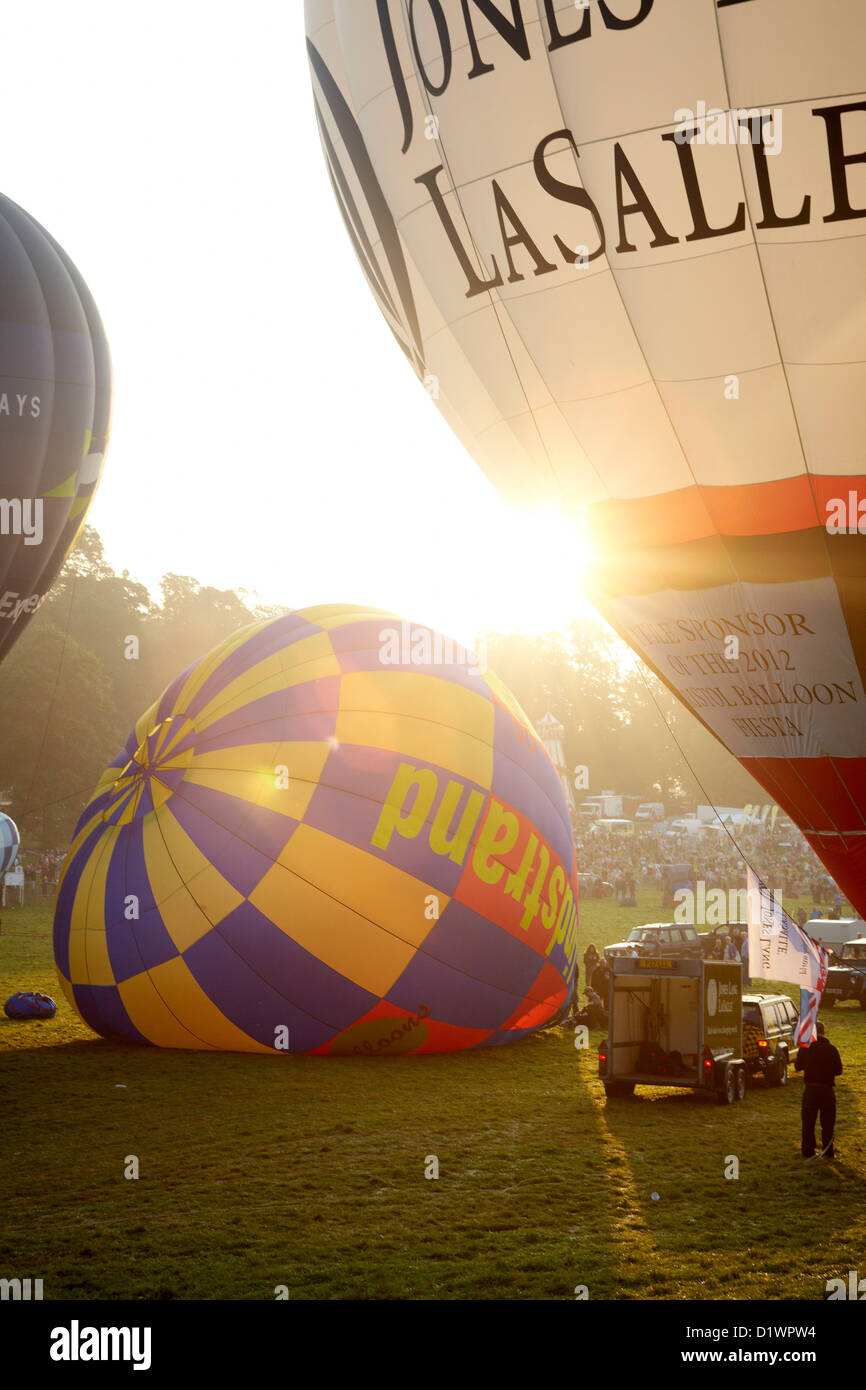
{"points": [[153, 772]]}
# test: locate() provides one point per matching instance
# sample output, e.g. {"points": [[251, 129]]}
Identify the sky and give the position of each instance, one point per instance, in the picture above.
{"points": [[268, 435]]}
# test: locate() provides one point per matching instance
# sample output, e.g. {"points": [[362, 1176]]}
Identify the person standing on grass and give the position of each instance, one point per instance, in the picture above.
{"points": [[820, 1064], [590, 961], [744, 957], [600, 981]]}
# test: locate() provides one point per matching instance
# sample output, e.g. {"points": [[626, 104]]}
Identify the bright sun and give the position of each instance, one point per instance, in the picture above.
{"points": [[537, 588]]}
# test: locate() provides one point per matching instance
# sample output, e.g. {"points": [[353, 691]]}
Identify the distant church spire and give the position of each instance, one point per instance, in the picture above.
{"points": [[551, 733]]}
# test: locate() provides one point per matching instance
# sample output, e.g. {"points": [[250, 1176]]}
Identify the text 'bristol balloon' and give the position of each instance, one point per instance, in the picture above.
{"points": [[55, 407], [626, 240], [333, 833]]}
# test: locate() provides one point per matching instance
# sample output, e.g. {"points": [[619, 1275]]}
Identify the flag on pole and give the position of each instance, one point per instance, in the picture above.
{"points": [[806, 1030], [781, 950]]}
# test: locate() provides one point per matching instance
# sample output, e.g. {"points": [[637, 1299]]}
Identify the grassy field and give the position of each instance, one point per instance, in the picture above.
{"points": [[310, 1173]]}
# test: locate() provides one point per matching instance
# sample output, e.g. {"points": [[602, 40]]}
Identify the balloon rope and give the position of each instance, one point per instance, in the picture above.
{"points": [[826, 1148], [86, 790], [691, 769]]}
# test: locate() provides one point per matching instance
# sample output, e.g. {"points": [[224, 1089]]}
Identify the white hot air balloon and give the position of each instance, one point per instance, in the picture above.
{"points": [[626, 238]]}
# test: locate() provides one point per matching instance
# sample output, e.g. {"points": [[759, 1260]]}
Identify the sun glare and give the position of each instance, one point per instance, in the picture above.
{"points": [[540, 588]]}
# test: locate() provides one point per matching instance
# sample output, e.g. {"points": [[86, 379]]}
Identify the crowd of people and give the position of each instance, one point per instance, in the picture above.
{"points": [[782, 859], [41, 870], [620, 866]]}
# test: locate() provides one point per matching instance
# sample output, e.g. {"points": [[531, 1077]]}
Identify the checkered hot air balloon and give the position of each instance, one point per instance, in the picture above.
{"points": [[332, 834], [10, 842]]}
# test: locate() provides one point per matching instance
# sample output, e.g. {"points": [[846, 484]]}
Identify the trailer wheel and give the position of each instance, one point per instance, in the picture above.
{"points": [[740, 1084], [618, 1088], [728, 1093]]}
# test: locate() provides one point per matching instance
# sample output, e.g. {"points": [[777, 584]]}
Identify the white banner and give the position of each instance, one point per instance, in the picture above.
{"points": [[769, 667], [778, 948]]}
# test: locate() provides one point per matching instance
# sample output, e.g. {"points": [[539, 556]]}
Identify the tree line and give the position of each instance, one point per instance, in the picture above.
{"points": [[102, 649]]}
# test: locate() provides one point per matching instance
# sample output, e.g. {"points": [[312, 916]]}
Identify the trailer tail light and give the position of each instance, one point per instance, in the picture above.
{"points": [[602, 1059], [763, 1045], [706, 1066]]}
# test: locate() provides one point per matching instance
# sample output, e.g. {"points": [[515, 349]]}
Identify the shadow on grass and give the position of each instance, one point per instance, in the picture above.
{"points": [[733, 1192], [311, 1172]]}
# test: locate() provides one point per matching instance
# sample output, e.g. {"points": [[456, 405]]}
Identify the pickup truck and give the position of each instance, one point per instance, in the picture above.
{"points": [[658, 939], [846, 977]]}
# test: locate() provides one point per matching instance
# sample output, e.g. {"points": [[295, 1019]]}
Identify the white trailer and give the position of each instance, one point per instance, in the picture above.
{"points": [[675, 1021]]}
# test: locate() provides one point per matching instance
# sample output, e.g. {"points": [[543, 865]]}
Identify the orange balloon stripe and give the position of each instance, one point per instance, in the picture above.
{"points": [[751, 509]]}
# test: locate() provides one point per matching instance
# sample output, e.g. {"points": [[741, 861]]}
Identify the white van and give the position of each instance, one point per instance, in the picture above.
{"points": [[686, 825], [835, 931], [615, 825], [716, 834]]}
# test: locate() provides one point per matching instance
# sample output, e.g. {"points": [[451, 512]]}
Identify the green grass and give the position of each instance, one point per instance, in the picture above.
{"points": [[309, 1172]]}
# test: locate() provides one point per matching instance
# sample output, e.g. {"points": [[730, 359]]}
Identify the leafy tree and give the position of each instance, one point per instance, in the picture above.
{"points": [[620, 721], [101, 649], [192, 619], [103, 611], [59, 727]]}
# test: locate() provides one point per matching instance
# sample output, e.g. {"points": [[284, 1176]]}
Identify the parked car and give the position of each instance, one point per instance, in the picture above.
{"points": [[846, 977], [592, 887], [673, 940], [769, 1035]]}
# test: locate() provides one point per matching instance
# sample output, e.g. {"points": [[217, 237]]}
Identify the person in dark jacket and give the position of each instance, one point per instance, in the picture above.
{"points": [[820, 1064], [590, 961], [593, 1014], [600, 981]]}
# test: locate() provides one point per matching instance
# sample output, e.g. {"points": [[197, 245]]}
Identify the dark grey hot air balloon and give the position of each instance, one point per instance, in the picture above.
{"points": [[55, 408]]}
